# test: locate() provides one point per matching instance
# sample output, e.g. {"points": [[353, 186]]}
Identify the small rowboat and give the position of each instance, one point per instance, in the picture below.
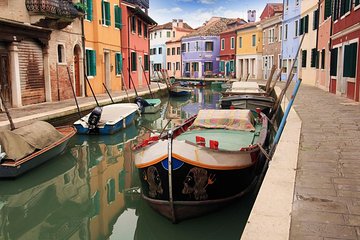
{"points": [[53, 146], [180, 89], [213, 159], [151, 105]]}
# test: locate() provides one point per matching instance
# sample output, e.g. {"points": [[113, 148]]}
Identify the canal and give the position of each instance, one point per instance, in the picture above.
{"points": [[92, 191]]}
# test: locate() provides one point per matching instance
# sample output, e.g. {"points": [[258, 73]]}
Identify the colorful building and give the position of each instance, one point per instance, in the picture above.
{"points": [[290, 37], [201, 48], [38, 45], [103, 53], [135, 43], [323, 45], [345, 53], [173, 47], [228, 42], [271, 24], [249, 51], [308, 57]]}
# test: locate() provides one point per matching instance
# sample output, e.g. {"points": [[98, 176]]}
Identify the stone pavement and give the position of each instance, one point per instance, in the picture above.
{"points": [[327, 187]]}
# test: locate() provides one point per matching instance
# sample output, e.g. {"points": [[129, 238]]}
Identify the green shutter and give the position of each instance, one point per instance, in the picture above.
{"points": [[95, 204], [133, 61], [306, 29], [357, 2], [110, 190], [350, 60], [303, 60], [118, 17], [92, 63], [313, 57], [89, 10], [316, 20], [333, 62], [301, 27], [328, 6], [118, 63], [87, 62], [323, 59], [102, 12], [107, 14], [335, 13], [122, 177], [231, 66]]}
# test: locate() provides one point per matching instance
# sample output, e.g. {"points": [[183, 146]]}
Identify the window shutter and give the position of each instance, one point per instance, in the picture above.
{"points": [[303, 60], [333, 62], [306, 24], [357, 2], [323, 59], [88, 62], [336, 10], [111, 191], [107, 14], [102, 12], [350, 60], [328, 6], [118, 17], [92, 63], [301, 27], [317, 60], [316, 20], [313, 57], [89, 10]]}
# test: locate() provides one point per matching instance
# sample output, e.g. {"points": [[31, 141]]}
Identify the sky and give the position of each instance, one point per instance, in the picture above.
{"points": [[196, 12]]}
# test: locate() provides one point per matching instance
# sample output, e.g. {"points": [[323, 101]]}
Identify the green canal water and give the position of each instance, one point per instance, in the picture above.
{"points": [[92, 190]]}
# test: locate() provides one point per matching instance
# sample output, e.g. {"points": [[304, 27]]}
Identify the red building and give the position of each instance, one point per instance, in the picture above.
{"points": [[271, 9], [345, 54], [228, 49], [135, 44]]}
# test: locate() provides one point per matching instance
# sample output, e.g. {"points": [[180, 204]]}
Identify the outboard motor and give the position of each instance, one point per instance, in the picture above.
{"points": [[141, 103], [94, 118]]}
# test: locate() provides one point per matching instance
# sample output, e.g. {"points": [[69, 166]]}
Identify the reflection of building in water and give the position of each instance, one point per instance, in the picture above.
{"points": [[47, 203]]}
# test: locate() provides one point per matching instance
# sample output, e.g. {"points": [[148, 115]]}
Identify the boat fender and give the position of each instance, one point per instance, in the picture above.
{"points": [[94, 117]]}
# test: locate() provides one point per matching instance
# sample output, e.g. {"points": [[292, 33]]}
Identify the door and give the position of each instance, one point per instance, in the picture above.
{"points": [[140, 72], [107, 70], [5, 86]]}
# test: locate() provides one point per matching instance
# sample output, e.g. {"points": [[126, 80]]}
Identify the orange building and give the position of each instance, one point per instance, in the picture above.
{"points": [[102, 27], [135, 44]]}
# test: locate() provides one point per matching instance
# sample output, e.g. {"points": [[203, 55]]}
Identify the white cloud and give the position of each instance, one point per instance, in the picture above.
{"points": [[207, 1]]}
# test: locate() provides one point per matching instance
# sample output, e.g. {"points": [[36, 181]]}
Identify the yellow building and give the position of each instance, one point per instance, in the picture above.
{"points": [[249, 51], [102, 27]]}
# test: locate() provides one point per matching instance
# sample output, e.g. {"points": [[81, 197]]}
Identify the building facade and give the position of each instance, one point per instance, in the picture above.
{"points": [[323, 44], [38, 45], [345, 62], [308, 57], [271, 24], [290, 37], [227, 54], [249, 51], [135, 44]]}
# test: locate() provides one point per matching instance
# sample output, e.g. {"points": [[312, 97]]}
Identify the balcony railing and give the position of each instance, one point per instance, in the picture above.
{"points": [[52, 8]]}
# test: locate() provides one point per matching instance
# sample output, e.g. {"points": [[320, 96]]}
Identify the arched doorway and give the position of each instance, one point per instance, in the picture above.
{"points": [[77, 54], [5, 83]]}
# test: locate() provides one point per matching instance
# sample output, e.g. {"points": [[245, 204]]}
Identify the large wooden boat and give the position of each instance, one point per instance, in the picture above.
{"points": [[213, 159], [108, 119], [27, 148]]}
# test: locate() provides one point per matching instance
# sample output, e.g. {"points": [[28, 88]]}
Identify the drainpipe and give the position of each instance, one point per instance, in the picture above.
{"points": [[84, 51], [129, 52]]}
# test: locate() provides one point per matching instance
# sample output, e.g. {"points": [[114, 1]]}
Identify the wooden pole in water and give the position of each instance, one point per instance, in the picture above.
{"points": [[123, 83], [269, 80], [108, 92], [12, 126], [136, 93], [92, 91], [73, 90], [147, 83], [277, 79]]}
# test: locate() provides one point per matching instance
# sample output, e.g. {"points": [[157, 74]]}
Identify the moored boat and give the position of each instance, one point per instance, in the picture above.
{"points": [[151, 105], [107, 119], [30, 146], [179, 89], [213, 159]]}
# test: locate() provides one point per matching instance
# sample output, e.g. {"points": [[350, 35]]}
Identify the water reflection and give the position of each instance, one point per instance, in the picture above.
{"points": [[92, 191]]}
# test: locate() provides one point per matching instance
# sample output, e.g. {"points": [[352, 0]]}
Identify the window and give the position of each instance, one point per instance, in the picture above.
{"points": [[297, 2], [187, 67], [90, 62], [168, 51], [105, 13], [303, 59], [333, 62], [316, 19], [304, 25], [253, 37], [169, 66], [118, 14], [208, 66], [177, 65], [323, 59], [133, 61], [222, 66], [118, 63], [231, 66], [195, 66], [174, 34], [160, 50], [264, 37], [328, 9], [240, 42], [154, 51], [336, 10], [145, 30], [345, 6], [222, 44], [209, 46], [146, 62], [178, 51], [196, 46], [139, 27], [286, 32], [287, 4], [110, 187], [89, 10], [232, 43], [296, 28], [271, 35], [183, 47], [133, 25], [357, 2], [95, 202], [61, 53], [350, 60], [313, 57], [188, 47], [168, 34], [173, 51], [280, 33]]}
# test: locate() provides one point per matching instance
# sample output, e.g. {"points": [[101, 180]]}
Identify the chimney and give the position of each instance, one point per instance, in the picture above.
{"points": [[181, 23], [251, 15], [174, 23]]}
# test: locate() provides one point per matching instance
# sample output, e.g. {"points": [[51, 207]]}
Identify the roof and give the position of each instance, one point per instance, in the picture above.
{"points": [[244, 26], [169, 26], [140, 13], [276, 7], [213, 27]]}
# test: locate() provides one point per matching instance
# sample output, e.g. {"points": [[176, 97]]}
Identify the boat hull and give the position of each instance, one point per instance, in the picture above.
{"points": [[252, 102], [152, 109], [10, 169]]}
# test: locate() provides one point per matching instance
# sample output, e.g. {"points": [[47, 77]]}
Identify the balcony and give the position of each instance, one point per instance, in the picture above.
{"points": [[55, 14]]}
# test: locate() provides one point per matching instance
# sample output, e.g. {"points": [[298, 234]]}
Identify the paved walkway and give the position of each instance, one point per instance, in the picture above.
{"points": [[327, 188]]}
